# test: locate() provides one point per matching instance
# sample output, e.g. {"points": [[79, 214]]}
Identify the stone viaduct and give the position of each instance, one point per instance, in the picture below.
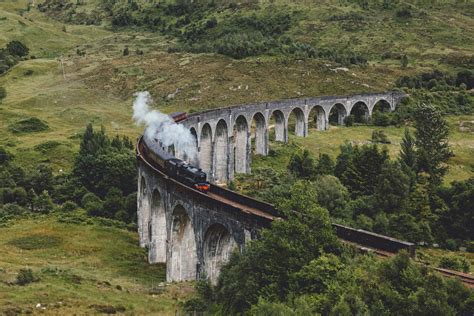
{"points": [[227, 137], [195, 233]]}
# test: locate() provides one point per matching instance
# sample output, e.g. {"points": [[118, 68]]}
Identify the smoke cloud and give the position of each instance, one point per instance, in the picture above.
{"points": [[162, 127]]}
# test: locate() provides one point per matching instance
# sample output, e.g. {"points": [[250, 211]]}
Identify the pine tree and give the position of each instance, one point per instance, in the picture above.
{"points": [[431, 141], [407, 152], [392, 188]]}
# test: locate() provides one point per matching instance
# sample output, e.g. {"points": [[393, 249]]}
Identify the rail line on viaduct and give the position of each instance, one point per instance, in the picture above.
{"points": [[194, 233]]}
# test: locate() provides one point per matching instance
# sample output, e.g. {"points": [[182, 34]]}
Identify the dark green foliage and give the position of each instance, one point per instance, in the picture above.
{"points": [[267, 267], [3, 94], [455, 263], [28, 125], [47, 146], [325, 165], [25, 277], [69, 206], [100, 166], [381, 119], [358, 167], [459, 199], [5, 157], [444, 91], [17, 48], [332, 195], [404, 61], [41, 179], [349, 120], [407, 151], [378, 136], [43, 203], [465, 77], [431, 141], [302, 164], [392, 188]]}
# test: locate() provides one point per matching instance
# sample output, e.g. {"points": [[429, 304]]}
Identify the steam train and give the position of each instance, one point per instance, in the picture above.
{"points": [[174, 167]]}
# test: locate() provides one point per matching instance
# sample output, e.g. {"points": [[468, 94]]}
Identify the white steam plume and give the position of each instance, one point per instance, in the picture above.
{"points": [[163, 128]]}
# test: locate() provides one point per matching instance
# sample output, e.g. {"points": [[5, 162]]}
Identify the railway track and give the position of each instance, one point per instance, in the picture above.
{"points": [[365, 241], [465, 278]]}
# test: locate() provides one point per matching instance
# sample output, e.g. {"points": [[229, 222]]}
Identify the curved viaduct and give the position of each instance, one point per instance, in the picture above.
{"points": [[226, 137], [195, 233]]}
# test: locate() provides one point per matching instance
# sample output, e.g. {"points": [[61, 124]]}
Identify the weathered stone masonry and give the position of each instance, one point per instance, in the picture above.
{"points": [[195, 233], [225, 137]]}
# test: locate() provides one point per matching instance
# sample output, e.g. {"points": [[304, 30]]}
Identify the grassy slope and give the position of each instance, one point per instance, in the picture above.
{"points": [[99, 86], [84, 266]]}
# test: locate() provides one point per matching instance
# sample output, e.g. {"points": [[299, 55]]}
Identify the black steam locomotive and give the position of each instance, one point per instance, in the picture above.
{"points": [[174, 167]]}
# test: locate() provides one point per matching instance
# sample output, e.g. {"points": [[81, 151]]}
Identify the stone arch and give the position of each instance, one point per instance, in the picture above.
{"points": [[241, 144], [157, 229], [317, 118], [221, 151], [337, 113], [145, 211], [218, 246], [360, 111], [205, 149], [381, 105], [259, 131], [296, 121], [183, 251], [277, 126]]}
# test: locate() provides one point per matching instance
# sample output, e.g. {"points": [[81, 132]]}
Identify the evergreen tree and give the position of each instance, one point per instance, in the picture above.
{"points": [[392, 188], [407, 152], [302, 164], [325, 165], [431, 140], [43, 203], [420, 199]]}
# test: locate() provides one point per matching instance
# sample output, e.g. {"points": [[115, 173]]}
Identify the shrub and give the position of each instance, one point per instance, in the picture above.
{"points": [[25, 276], [349, 120], [378, 136], [69, 206], [28, 125], [454, 262], [5, 156], [404, 13], [3, 93], [381, 119], [17, 48]]}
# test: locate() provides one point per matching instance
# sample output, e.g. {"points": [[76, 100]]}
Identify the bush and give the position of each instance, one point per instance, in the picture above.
{"points": [[28, 125], [378, 136], [3, 93], [25, 276], [349, 120], [381, 119], [5, 156], [17, 48], [455, 263], [69, 206]]}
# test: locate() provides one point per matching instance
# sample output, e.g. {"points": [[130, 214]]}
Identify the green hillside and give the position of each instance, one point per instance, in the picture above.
{"points": [[87, 58], [82, 269]]}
